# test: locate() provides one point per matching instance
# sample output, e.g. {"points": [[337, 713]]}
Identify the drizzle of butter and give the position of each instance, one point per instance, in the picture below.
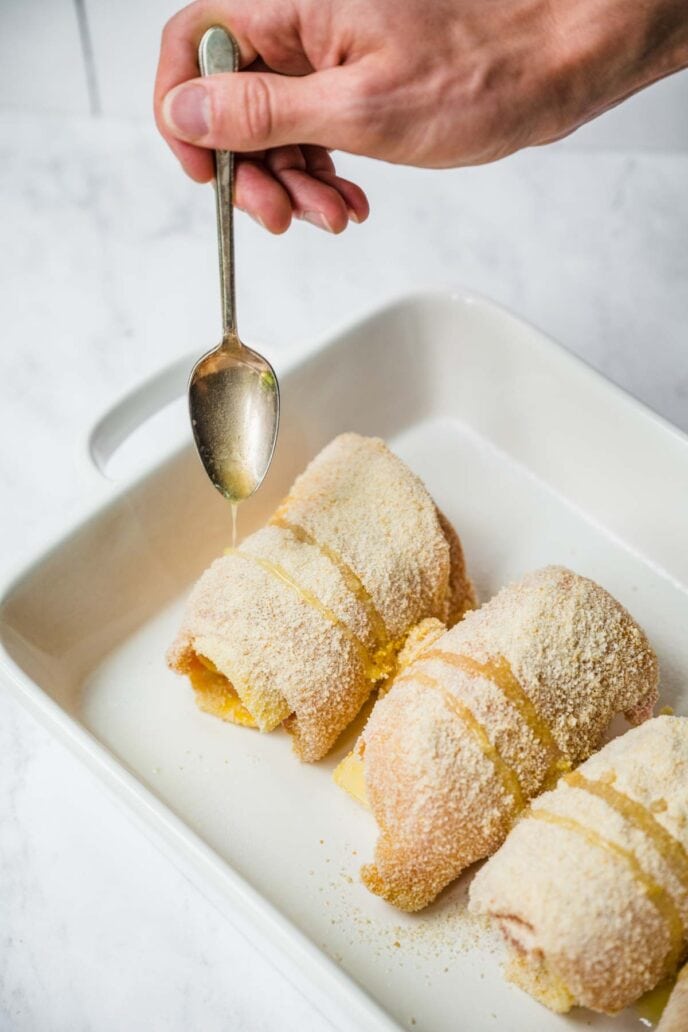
{"points": [[498, 671], [650, 1006]]}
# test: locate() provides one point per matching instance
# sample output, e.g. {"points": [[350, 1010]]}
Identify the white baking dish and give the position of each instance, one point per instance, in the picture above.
{"points": [[534, 457]]}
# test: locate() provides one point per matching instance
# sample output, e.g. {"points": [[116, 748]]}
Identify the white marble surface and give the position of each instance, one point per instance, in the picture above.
{"points": [[107, 271]]}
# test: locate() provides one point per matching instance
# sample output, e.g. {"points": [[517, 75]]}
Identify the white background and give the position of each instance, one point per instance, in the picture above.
{"points": [[108, 271]]}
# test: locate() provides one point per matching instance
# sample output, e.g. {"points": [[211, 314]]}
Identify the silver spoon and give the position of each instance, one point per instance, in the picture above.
{"points": [[233, 391]]}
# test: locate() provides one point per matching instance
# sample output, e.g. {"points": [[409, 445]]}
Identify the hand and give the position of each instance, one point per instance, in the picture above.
{"points": [[435, 83]]}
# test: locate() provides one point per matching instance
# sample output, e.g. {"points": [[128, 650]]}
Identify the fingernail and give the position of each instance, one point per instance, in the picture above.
{"points": [[353, 217], [186, 110], [257, 218], [316, 218]]}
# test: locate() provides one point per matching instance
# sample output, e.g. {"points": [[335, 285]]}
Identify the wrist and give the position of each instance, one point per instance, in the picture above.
{"points": [[606, 50]]}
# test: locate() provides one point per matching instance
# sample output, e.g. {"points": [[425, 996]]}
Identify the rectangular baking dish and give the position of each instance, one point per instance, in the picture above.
{"points": [[534, 458]]}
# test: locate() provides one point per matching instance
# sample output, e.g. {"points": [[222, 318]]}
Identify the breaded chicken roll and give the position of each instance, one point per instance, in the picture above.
{"points": [[305, 617], [591, 887], [488, 716]]}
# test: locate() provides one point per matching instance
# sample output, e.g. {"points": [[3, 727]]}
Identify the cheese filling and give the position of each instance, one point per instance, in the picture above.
{"points": [[215, 694], [350, 775]]}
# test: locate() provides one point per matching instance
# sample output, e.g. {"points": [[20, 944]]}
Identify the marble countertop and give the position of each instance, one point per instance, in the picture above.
{"points": [[107, 273]]}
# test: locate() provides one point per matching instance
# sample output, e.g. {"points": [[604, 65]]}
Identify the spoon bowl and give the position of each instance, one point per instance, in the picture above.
{"points": [[233, 391], [234, 405]]}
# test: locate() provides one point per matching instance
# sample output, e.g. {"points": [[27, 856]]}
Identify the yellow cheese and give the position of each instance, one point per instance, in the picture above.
{"points": [[215, 694], [350, 775], [535, 978]]}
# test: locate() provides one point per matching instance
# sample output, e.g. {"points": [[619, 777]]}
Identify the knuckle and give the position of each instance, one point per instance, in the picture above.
{"points": [[368, 103], [255, 114], [174, 25], [185, 22], [168, 29], [365, 88]]}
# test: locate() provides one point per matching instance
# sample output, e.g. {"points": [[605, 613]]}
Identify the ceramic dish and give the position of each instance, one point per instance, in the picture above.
{"points": [[534, 458]]}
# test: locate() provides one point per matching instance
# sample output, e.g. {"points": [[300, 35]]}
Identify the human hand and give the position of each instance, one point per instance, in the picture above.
{"points": [[434, 83]]}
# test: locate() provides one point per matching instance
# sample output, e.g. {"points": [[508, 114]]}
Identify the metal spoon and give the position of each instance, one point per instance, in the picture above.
{"points": [[233, 391]]}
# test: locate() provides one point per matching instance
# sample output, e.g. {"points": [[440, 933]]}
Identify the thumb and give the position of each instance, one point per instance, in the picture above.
{"points": [[252, 111]]}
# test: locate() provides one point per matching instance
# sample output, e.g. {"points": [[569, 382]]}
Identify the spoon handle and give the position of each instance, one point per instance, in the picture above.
{"points": [[218, 52]]}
